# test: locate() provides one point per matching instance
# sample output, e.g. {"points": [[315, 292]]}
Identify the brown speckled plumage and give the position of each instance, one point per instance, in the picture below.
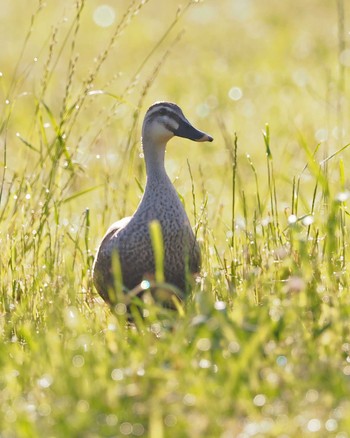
{"points": [[130, 237]]}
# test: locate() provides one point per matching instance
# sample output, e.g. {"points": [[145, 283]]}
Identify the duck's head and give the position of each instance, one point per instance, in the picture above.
{"points": [[165, 120]]}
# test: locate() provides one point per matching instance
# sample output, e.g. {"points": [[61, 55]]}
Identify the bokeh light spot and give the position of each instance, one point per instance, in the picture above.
{"points": [[235, 93], [308, 220], [145, 284], [204, 344], [104, 16], [126, 428], [314, 425], [259, 400]]}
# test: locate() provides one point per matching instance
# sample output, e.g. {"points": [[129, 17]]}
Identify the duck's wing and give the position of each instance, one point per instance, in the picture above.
{"points": [[114, 228], [195, 259], [101, 270]]}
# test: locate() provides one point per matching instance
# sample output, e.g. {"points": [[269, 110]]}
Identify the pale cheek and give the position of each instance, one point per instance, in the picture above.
{"points": [[174, 125], [160, 132]]}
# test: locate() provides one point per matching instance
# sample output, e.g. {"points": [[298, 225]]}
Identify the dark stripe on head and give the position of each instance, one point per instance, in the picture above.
{"points": [[168, 105], [167, 109]]}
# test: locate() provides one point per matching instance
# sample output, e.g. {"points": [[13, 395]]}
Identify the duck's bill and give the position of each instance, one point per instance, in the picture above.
{"points": [[186, 130]]}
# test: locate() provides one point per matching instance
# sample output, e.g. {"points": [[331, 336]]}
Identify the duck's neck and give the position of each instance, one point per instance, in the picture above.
{"points": [[154, 158]]}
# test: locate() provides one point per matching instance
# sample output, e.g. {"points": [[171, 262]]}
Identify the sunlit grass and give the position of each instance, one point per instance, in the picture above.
{"points": [[261, 348]]}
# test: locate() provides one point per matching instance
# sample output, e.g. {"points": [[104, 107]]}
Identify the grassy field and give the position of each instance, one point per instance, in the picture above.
{"points": [[262, 347]]}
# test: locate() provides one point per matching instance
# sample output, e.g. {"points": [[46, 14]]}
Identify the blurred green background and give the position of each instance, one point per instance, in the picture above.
{"points": [[246, 62]]}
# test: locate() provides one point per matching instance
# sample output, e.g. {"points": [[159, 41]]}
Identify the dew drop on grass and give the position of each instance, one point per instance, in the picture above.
{"points": [[240, 223], [45, 381], [71, 317], [343, 196], [229, 234], [84, 342], [292, 219], [140, 372], [156, 328], [265, 221], [145, 284], [220, 305], [104, 16], [31, 408], [308, 220], [204, 363], [295, 284], [120, 309], [281, 361]]}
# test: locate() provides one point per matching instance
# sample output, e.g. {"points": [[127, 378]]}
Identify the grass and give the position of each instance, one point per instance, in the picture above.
{"points": [[262, 346]]}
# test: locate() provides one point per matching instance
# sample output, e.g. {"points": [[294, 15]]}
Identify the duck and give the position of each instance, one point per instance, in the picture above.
{"points": [[128, 240]]}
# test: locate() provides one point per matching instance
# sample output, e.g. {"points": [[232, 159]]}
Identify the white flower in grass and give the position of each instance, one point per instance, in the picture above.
{"points": [[308, 220], [292, 219], [342, 196]]}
